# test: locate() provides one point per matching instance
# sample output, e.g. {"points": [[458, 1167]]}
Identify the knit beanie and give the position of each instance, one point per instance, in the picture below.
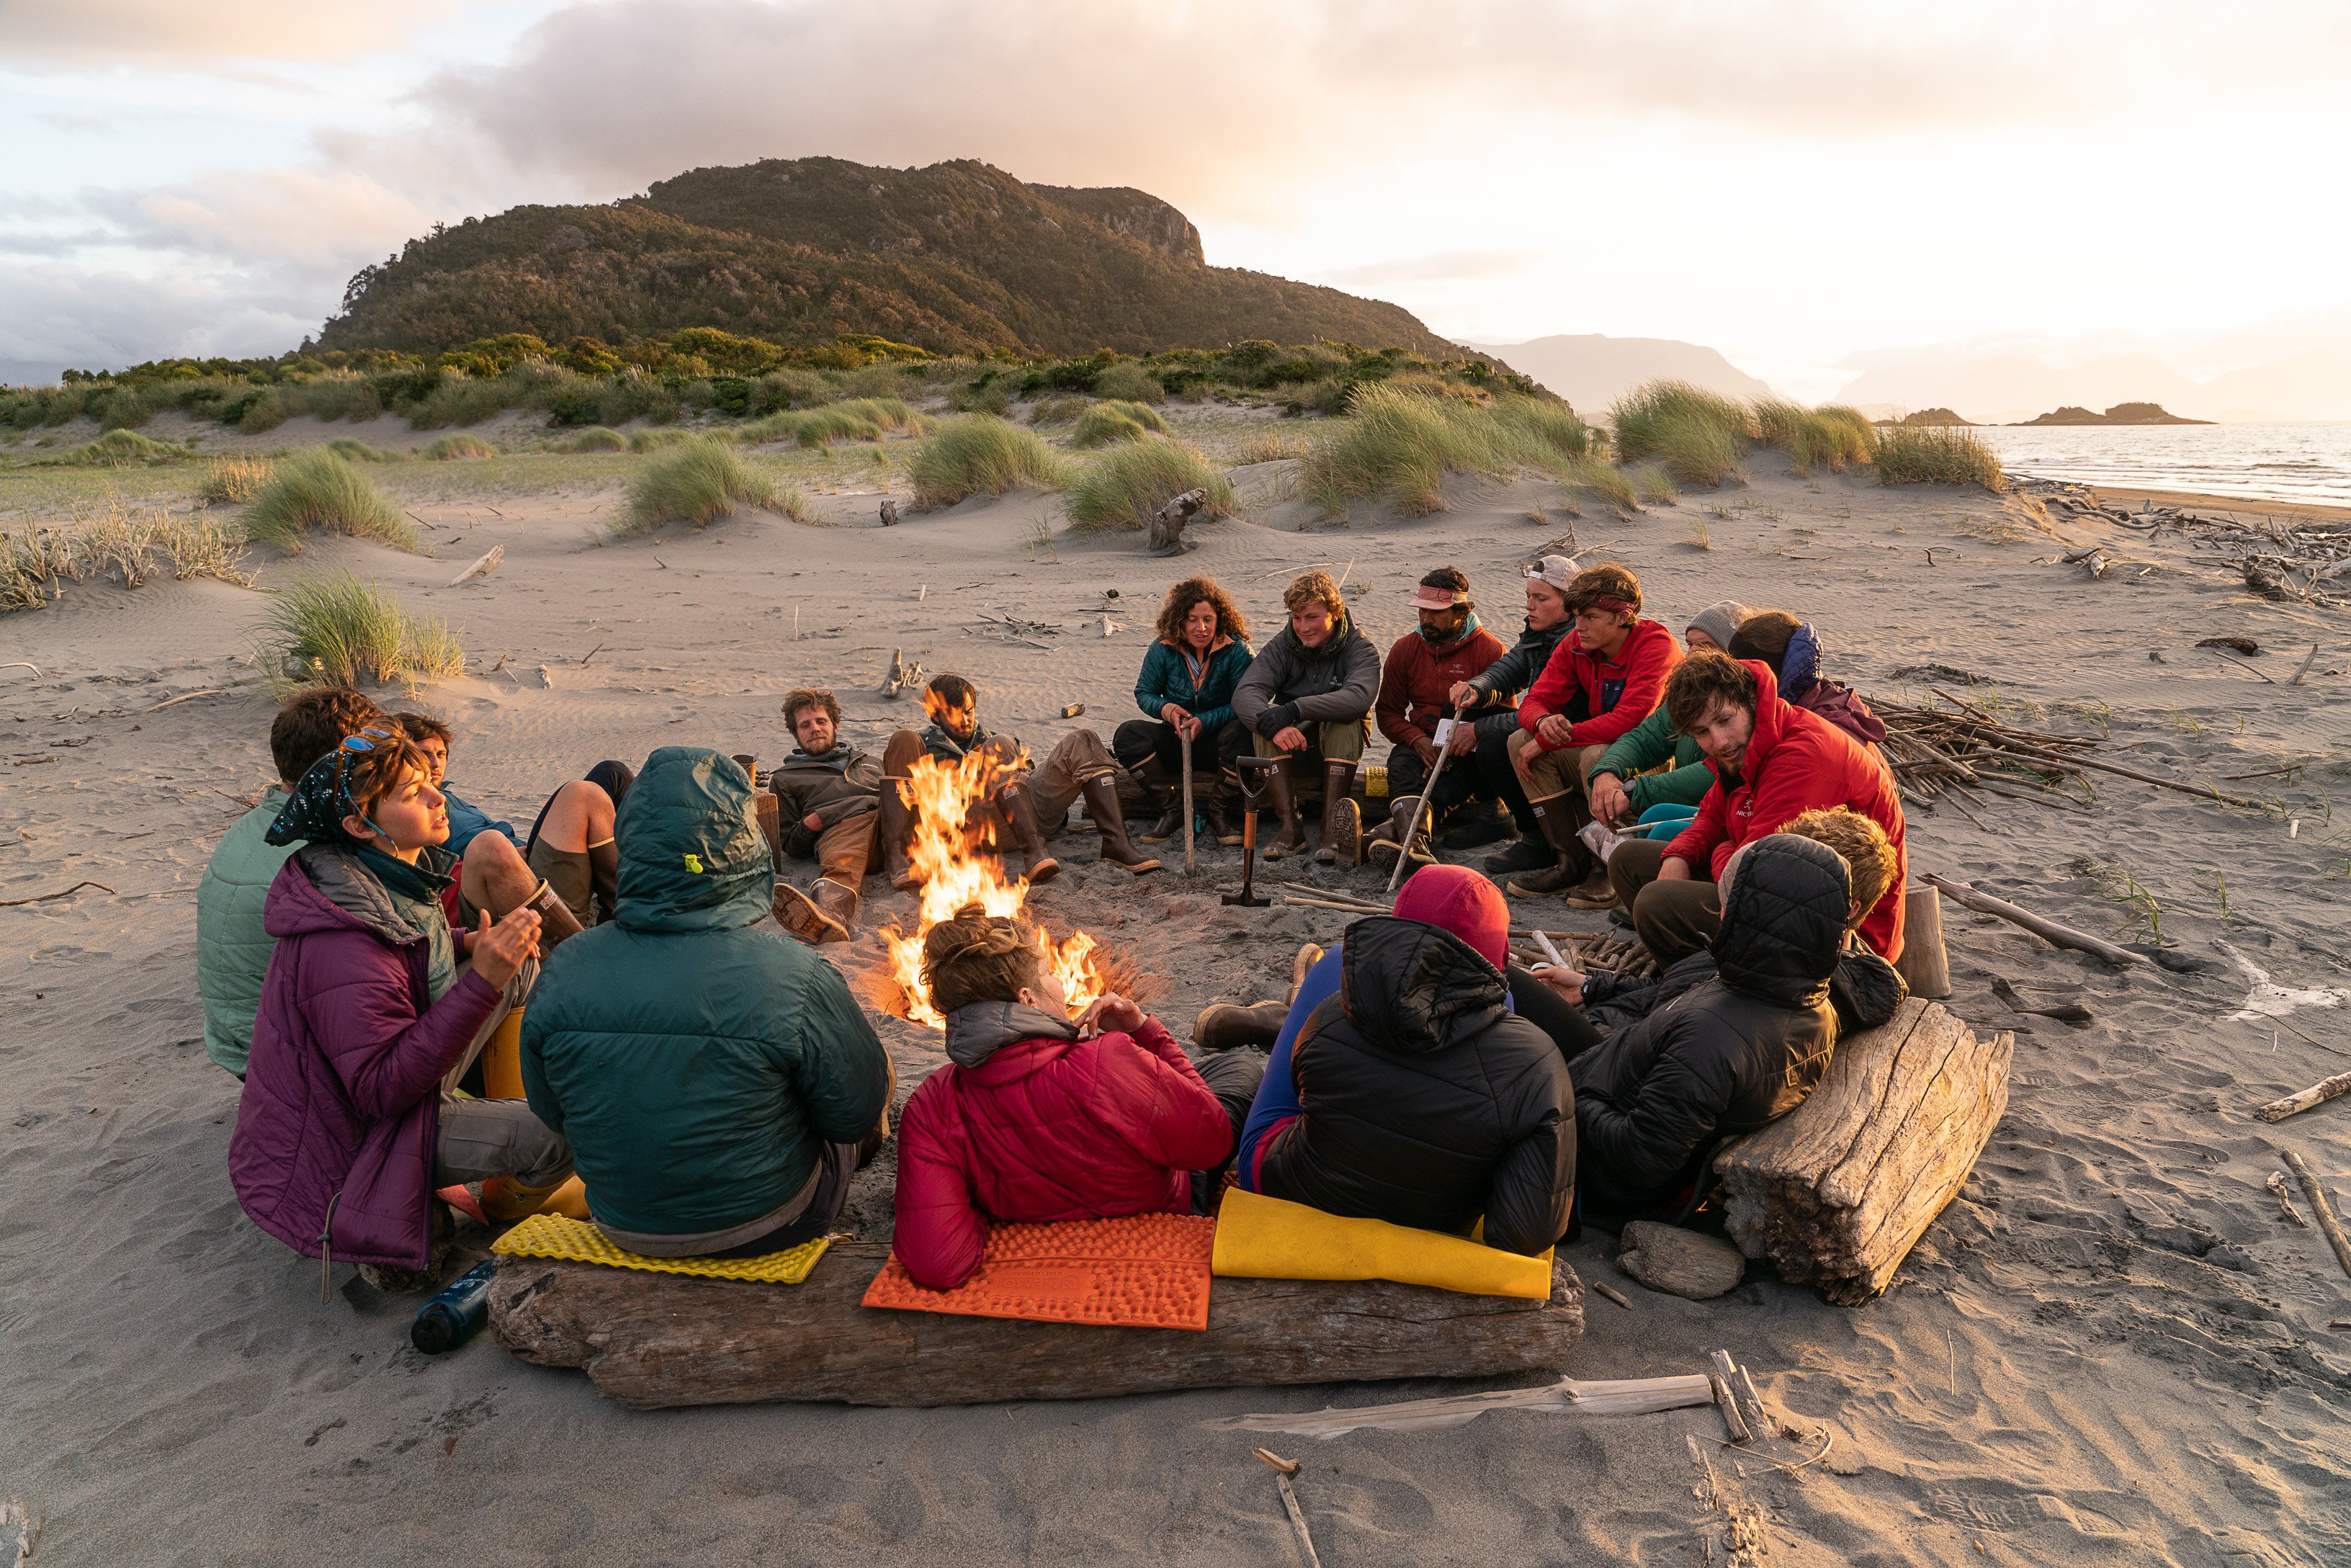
{"points": [[1455, 898], [1720, 620]]}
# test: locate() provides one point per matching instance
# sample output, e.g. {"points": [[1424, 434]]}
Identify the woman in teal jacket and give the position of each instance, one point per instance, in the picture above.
{"points": [[1187, 688], [716, 1078]]}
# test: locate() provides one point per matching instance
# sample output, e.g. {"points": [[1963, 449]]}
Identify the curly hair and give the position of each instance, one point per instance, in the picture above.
{"points": [[372, 774], [1313, 585], [312, 723], [1192, 590], [811, 696], [1863, 844], [1698, 680], [979, 958], [420, 727]]}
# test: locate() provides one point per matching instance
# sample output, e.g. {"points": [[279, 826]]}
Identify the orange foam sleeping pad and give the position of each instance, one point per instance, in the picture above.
{"points": [[1146, 1270]]}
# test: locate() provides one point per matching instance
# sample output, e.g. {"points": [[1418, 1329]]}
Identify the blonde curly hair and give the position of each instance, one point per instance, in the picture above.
{"points": [[979, 958]]}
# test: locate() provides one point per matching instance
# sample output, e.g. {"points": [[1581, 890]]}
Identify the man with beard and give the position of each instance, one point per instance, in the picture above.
{"points": [[828, 793], [1424, 669]]}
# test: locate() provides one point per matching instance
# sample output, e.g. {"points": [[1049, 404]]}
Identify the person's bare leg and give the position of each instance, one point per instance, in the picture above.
{"points": [[494, 876], [580, 822]]}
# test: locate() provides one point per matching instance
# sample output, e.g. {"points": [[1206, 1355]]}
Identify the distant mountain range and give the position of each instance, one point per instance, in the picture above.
{"points": [[1591, 371], [2121, 413], [958, 257]]}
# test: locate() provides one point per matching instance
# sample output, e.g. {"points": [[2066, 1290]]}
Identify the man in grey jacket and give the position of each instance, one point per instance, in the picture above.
{"points": [[828, 793], [1303, 701]]}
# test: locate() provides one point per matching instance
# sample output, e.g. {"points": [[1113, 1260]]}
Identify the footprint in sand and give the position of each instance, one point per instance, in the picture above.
{"points": [[2270, 1000]]}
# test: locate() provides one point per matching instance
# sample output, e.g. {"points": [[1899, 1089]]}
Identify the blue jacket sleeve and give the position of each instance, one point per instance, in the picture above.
{"points": [[1276, 1096], [1151, 693], [1225, 672]]}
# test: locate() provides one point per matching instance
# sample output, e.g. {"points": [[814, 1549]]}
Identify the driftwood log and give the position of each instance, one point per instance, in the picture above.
{"points": [[653, 1341], [2049, 931], [1166, 534], [1837, 1192]]}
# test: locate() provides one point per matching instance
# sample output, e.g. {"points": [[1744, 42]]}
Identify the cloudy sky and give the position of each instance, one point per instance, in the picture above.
{"points": [[1800, 183]]}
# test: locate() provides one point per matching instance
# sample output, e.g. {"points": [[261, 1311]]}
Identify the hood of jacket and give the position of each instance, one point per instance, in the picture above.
{"points": [[692, 855], [1844, 707], [1416, 988], [978, 1031], [1783, 923], [336, 892], [1866, 991]]}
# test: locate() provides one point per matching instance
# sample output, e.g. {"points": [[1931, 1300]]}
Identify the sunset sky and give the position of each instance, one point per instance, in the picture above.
{"points": [[1796, 183]]}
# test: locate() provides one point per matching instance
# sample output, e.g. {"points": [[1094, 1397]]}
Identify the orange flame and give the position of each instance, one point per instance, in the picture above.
{"points": [[955, 871]]}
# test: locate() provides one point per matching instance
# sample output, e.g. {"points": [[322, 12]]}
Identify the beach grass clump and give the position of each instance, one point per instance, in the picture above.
{"points": [[458, 446], [119, 448], [1595, 477], [858, 419], [459, 399], [1125, 485], [117, 543], [339, 629], [1060, 409], [1833, 436], [1270, 446], [1936, 455], [1127, 381], [228, 480], [698, 481], [657, 440], [980, 455], [351, 449], [1114, 420], [595, 438], [1655, 487], [1696, 434], [317, 489], [1401, 442]]}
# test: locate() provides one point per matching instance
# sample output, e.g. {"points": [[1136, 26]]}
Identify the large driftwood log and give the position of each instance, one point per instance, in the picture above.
{"points": [[656, 1340], [1840, 1190]]}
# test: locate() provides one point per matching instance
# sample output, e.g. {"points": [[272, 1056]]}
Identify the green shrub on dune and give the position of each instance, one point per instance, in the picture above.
{"points": [[595, 438], [657, 440], [337, 630], [1128, 382], [452, 448], [1402, 440], [351, 449], [1936, 455], [698, 481], [980, 455], [1114, 420], [316, 489], [119, 448], [860, 419], [1696, 434], [1123, 487]]}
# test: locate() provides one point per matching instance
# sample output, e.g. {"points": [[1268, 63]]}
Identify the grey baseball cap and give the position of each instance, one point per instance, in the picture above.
{"points": [[1558, 570]]}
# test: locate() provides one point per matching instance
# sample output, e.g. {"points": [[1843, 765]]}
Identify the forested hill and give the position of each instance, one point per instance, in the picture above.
{"points": [[959, 257]]}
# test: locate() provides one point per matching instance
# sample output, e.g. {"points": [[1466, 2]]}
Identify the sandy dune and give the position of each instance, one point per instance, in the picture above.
{"points": [[2111, 1349]]}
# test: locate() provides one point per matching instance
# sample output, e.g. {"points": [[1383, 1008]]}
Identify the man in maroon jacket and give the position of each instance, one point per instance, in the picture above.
{"points": [[1604, 678], [1417, 683]]}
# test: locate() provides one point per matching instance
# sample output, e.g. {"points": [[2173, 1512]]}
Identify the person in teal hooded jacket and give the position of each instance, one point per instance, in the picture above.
{"points": [[716, 1078]]}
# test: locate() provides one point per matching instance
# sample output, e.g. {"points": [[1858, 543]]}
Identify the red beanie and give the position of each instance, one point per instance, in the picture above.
{"points": [[1455, 898]]}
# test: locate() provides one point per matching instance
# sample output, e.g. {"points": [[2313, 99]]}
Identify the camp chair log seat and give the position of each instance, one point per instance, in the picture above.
{"points": [[652, 1341]]}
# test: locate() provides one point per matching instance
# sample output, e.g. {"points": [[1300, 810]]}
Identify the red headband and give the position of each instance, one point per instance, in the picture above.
{"points": [[1609, 602]]}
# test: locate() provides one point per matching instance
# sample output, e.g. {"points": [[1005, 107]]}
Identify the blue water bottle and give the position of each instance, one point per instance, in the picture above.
{"points": [[457, 1313]]}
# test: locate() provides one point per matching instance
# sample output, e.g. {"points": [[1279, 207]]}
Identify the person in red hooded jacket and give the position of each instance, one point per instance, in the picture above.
{"points": [[1604, 678], [1036, 1118], [1772, 761]]}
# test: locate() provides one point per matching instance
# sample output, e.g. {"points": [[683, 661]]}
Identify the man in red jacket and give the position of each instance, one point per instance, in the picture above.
{"points": [[1772, 761], [1604, 678], [1416, 685]]}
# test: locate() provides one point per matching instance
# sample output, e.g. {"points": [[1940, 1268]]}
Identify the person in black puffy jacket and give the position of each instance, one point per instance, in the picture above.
{"points": [[1727, 1054], [1421, 1099]]}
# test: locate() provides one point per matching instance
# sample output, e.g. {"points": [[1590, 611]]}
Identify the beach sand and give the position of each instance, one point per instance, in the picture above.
{"points": [[2112, 1348]]}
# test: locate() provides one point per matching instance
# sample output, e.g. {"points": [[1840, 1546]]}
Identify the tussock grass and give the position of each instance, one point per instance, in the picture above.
{"points": [[119, 448], [351, 449], [1129, 381], [1057, 410], [1831, 437], [1402, 442], [980, 455], [117, 543], [1936, 455], [231, 480], [337, 630], [860, 419], [1114, 420], [656, 440], [1696, 434], [316, 489], [595, 438], [699, 481], [1122, 487], [1598, 478], [452, 448], [1270, 446], [1656, 488], [992, 393]]}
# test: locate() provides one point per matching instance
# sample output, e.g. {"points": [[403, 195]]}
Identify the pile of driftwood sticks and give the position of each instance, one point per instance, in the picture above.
{"points": [[2295, 558]]}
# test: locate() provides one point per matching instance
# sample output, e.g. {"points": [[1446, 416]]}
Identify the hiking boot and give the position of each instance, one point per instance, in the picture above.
{"points": [[1595, 892], [1402, 819], [1166, 799], [802, 915], [1574, 861], [1041, 867], [837, 900], [1475, 829], [1342, 820], [1102, 804], [1223, 812], [1291, 839], [1524, 854], [1225, 1026], [1309, 954]]}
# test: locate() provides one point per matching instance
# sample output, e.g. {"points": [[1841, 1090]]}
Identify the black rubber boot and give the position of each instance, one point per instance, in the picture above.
{"points": [[1574, 864], [1342, 820], [1102, 805], [1291, 839], [1015, 802]]}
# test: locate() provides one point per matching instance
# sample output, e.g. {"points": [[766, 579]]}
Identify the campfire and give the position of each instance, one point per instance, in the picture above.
{"points": [[956, 870]]}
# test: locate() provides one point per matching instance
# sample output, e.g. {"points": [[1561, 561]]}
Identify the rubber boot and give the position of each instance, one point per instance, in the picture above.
{"points": [[837, 900], [1575, 863], [1523, 854], [1225, 1026], [1476, 828], [1342, 820], [1291, 839], [802, 915], [1102, 804], [891, 834], [1166, 799], [1224, 810], [1382, 848], [1022, 814]]}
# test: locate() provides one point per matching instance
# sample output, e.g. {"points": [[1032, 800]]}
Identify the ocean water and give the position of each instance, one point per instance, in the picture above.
{"points": [[2255, 461]]}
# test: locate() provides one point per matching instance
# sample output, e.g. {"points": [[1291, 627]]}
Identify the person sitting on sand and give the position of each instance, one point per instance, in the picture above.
{"points": [[1414, 1093], [1605, 677], [1020, 804], [1865, 989], [1772, 761], [1793, 649], [1036, 1118], [1731, 1053], [828, 795], [1417, 686], [492, 872], [1186, 689], [1493, 694], [570, 844], [233, 943], [1304, 700], [1651, 779], [346, 1129], [717, 1080]]}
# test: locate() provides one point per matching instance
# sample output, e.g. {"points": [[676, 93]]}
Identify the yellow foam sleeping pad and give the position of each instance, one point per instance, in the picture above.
{"points": [[576, 1241], [1261, 1238]]}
